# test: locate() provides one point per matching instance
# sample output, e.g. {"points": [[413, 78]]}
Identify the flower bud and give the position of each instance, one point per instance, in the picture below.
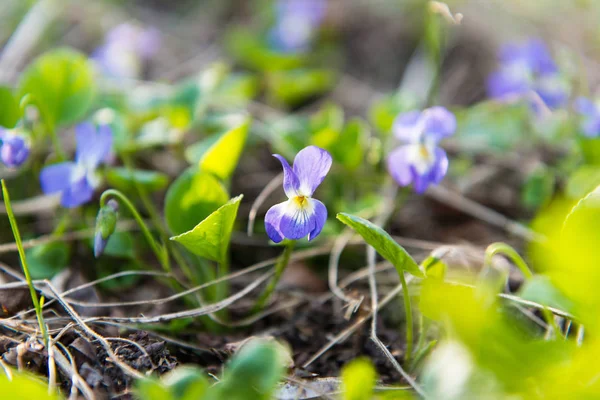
{"points": [[106, 221]]}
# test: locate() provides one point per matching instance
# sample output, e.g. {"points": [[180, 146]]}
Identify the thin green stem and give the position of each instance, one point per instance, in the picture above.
{"points": [[160, 252], [409, 319], [510, 253], [17, 235], [282, 263]]}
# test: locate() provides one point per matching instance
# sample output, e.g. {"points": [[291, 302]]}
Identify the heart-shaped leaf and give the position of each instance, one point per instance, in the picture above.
{"points": [[61, 83], [210, 238], [383, 243]]}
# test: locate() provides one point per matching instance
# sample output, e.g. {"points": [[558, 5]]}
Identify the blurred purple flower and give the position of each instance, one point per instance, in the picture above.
{"points": [[14, 150], [528, 71], [420, 161], [125, 48], [296, 23], [590, 112], [300, 215], [78, 180]]}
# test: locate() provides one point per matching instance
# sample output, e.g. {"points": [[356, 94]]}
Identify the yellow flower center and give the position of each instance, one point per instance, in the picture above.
{"points": [[301, 201]]}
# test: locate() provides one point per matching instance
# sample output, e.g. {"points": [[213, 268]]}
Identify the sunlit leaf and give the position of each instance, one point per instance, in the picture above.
{"points": [[24, 386], [540, 289], [210, 238], [61, 84], [11, 112], [219, 154], [186, 383], [358, 380], [192, 197], [582, 181], [124, 179], [383, 243]]}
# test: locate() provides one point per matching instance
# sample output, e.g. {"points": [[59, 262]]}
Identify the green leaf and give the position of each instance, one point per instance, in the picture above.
{"points": [[540, 289], [25, 386], [191, 198], [490, 126], [11, 111], [384, 110], [152, 389], [590, 147], [383, 243], [219, 154], [235, 90], [582, 181], [358, 379], [538, 188], [47, 260], [294, 87], [186, 383], [124, 178], [210, 238], [61, 83], [253, 373]]}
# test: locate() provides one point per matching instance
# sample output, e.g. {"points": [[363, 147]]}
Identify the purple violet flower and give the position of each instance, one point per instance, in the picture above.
{"points": [[300, 215], [528, 71], [590, 111], [296, 23], [420, 161], [14, 150], [78, 180], [125, 49]]}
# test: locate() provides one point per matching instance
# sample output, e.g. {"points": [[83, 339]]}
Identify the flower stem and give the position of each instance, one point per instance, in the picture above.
{"points": [[282, 263], [161, 253], [409, 319], [15, 229], [510, 253]]}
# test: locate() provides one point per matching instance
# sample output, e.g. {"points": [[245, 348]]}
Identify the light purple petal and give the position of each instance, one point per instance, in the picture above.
{"points": [[503, 84], [291, 184], [406, 126], [539, 57], [439, 122], [319, 219], [273, 220], [57, 177], [590, 127], [148, 42], [93, 144], [585, 106], [399, 165], [311, 165], [77, 193], [440, 167], [297, 222]]}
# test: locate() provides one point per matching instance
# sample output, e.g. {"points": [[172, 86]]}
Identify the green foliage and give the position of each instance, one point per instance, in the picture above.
{"points": [[541, 290], [9, 104], [124, 179], [538, 188], [292, 87], [192, 197], [383, 243], [23, 386], [48, 259], [490, 126], [384, 110], [219, 154], [252, 374], [358, 380], [590, 148], [120, 244], [582, 181], [210, 238], [60, 82]]}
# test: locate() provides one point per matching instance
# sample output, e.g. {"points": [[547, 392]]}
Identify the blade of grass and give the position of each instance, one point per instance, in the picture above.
{"points": [[17, 235]]}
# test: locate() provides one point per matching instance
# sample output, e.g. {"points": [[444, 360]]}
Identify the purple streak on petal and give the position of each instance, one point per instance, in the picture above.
{"points": [[406, 126], [585, 106], [439, 122], [14, 151], [296, 222], [273, 220], [399, 165], [311, 165], [57, 177], [291, 184], [93, 144], [320, 217], [440, 166], [77, 193]]}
